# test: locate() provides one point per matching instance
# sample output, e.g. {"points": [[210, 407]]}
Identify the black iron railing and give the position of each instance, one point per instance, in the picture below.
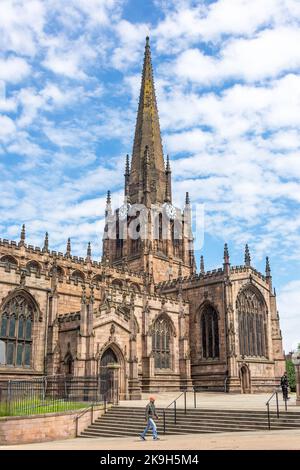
{"points": [[274, 394], [174, 403], [48, 394]]}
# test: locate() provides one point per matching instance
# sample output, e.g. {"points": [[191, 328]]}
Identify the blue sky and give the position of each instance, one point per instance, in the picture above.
{"points": [[228, 90]]}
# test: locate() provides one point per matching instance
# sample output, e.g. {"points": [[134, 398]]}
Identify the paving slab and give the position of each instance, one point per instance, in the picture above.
{"points": [[258, 440]]}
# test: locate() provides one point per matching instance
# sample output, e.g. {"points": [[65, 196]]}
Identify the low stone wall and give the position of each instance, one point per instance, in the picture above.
{"points": [[46, 427]]}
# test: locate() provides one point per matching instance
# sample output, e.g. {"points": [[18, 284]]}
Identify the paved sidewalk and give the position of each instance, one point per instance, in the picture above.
{"points": [[259, 440], [217, 400]]}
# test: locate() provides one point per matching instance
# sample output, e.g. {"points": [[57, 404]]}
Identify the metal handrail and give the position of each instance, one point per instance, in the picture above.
{"points": [[277, 407], [83, 412], [175, 409]]}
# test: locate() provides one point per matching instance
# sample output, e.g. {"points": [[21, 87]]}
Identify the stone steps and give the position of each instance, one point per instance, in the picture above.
{"points": [[122, 421]]}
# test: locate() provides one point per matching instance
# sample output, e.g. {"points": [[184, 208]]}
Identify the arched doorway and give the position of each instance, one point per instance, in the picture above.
{"points": [[245, 379], [109, 376]]}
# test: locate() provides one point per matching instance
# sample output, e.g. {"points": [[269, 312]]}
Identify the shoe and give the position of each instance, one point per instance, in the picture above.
{"points": [[156, 438], [142, 437]]}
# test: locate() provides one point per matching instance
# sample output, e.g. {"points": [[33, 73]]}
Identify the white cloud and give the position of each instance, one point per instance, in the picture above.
{"points": [[267, 55], [289, 306], [21, 24], [13, 69], [186, 24], [7, 127], [131, 37]]}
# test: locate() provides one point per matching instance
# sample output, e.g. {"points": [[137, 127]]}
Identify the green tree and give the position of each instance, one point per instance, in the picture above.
{"points": [[290, 368]]}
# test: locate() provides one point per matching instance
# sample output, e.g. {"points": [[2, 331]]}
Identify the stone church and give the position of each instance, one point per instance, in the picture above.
{"points": [[143, 314]]}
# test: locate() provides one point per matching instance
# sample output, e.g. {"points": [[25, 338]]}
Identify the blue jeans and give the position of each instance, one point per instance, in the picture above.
{"points": [[151, 423]]}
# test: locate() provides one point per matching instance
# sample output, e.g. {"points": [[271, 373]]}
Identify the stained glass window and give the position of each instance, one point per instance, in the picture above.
{"points": [[252, 312], [210, 333], [161, 343], [16, 332]]}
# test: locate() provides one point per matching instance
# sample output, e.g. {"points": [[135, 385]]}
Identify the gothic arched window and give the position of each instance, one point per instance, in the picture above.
{"points": [[33, 266], [10, 260], [161, 343], [210, 333], [16, 321], [252, 317], [78, 276], [59, 271]]}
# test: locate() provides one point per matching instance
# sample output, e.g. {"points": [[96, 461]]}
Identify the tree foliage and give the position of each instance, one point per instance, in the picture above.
{"points": [[290, 368]]}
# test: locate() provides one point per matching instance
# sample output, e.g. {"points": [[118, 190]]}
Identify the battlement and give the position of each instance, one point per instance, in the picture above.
{"points": [[245, 269], [68, 317], [174, 283], [46, 258]]}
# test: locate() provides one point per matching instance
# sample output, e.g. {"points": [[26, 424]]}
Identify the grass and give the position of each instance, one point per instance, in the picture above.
{"points": [[34, 407]]}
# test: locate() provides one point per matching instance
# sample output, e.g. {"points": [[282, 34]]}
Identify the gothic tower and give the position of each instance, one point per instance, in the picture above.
{"points": [[147, 233]]}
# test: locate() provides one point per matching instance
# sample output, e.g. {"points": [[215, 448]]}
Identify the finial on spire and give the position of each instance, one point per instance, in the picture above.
{"points": [[147, 41], [187, 199], [108, 204], [268, 269], [68, 252], [46, 243], [22, 236], [202, 270], [247, 256], [226, 254], [89, 250]]}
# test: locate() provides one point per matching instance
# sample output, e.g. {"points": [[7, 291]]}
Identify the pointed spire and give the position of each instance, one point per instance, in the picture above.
{"points": [[23, 236], [202, 270], [247, 256], [268, 269], [187, 199], [46, 243], [68, 252], [108, 204], [268, 275], [226, 263], [89, 251], [226, 254], [147, 132]]}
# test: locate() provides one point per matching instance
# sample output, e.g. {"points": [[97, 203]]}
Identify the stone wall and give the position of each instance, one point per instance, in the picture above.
{"points": [[47, 427]]}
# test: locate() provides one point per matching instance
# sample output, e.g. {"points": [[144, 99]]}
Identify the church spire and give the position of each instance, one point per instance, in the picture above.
{"points": [[147, 133]]}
